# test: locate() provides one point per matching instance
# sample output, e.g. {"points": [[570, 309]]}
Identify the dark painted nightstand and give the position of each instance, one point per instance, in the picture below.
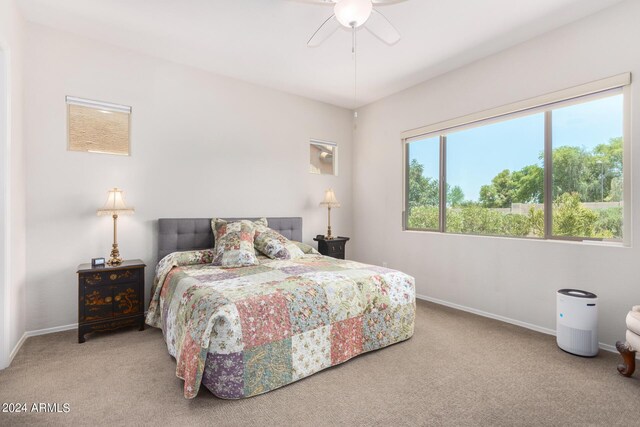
{"points": [[110, 297], [332, 247]]}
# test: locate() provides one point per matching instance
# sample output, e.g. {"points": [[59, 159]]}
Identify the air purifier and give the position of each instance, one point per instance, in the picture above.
{"points": [[577, 322]]}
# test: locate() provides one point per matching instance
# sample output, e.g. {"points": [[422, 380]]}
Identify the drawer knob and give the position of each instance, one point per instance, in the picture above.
{"points": [[118, 297], [114, 276], [107, 299]]}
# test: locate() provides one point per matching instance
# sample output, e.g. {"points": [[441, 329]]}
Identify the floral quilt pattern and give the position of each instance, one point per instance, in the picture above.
{"points": [[275, 245], [234, 243], [245, 331]]}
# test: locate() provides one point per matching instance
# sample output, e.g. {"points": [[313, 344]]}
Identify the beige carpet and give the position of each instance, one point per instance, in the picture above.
{"points": [[458, 369]]}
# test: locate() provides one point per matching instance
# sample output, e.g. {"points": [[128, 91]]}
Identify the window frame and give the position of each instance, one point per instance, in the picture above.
{"points": [[441, 193], [543, 104]]}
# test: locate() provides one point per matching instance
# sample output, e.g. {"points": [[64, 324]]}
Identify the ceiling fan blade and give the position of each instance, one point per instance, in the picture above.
{"points": [[325, 31], [379, 26]]}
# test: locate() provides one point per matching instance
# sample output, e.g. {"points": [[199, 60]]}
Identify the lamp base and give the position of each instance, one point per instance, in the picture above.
{"points": [[328, 236], [115, 256]]}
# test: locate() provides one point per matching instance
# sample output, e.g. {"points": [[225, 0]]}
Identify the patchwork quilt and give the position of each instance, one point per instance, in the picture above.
{"points": [[245, 331]]}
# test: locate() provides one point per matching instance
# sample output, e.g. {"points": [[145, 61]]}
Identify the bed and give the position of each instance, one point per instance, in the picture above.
{"points": [[245, 331]]}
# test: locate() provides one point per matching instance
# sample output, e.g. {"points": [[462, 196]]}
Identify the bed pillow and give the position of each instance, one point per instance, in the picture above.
{"points": [[275, 245], [234, 243], [306, 249]]}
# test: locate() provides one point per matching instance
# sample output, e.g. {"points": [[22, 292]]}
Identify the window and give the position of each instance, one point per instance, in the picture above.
{"points": [[97, 127], [553, 170], [587, 169], [494, 177], [423, 192], [323, 157]]}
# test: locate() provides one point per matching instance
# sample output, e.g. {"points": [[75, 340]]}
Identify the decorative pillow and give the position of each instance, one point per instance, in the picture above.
{"points": [[234, 243], [262, 222], [273, 244], [306, 249]]}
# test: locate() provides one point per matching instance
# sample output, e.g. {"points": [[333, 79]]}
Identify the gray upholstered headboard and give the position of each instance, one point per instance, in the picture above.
{"points": [[184, 234]]}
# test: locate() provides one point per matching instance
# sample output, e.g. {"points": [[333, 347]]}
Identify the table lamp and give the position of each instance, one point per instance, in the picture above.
{"points": [[115, 206], [329, 201]]}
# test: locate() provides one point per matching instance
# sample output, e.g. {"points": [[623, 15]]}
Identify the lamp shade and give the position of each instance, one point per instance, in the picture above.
{"points": [[353, 13], [330, 199], [115, 204]]}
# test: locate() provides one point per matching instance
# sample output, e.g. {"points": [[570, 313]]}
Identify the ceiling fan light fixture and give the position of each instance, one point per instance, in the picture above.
{"points": [[353, 13]]}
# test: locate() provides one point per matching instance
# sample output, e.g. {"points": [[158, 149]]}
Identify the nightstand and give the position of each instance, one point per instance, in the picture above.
{"points": [[110, 297], [333, 247]]}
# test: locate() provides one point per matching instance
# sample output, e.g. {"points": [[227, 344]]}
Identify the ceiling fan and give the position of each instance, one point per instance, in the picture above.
{"points": [[353, 14]]}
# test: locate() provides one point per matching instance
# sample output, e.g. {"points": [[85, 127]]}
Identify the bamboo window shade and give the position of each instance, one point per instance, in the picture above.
{"points": [[98, 127]]}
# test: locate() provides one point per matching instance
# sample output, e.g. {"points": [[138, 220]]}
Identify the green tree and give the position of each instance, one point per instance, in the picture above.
{"points": [[609, 223], [424, 217], [610, 157], [523, 186], [499, 194], [489, 196], [455, 196], [615, 192], [612, 153], [476, 219], [536, 222], [529, 185], [423, 191], [571, 218], [592, 175], [569, 170]]}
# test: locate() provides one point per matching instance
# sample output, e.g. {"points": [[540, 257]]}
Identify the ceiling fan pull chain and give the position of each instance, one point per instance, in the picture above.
{"points": [[355, 72]]}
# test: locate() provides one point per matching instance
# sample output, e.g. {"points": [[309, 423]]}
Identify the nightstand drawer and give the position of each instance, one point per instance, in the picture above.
{"points": [[104, 302], [110, 277], [336, 248], [126, 300], [98, 304]]}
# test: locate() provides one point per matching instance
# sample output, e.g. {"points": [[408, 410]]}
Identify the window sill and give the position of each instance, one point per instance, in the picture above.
{"points": [[608, 244]]}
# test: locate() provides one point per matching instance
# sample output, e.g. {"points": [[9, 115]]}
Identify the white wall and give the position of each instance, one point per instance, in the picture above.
{"points": [[513, 278], [12, 182], [4, 179], [202, 146]]}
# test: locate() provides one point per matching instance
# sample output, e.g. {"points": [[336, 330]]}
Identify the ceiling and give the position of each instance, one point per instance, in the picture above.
{"points": [[264, 41]]}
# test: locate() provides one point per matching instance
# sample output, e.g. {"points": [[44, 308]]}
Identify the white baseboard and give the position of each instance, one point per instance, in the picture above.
{"points": [[611, 348], [51, 330], [15, 350], [37, 332], [603, 346]]}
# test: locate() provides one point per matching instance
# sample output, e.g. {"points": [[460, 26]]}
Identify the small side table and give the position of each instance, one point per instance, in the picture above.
{"points": [[332, 247], [110, 297]]}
